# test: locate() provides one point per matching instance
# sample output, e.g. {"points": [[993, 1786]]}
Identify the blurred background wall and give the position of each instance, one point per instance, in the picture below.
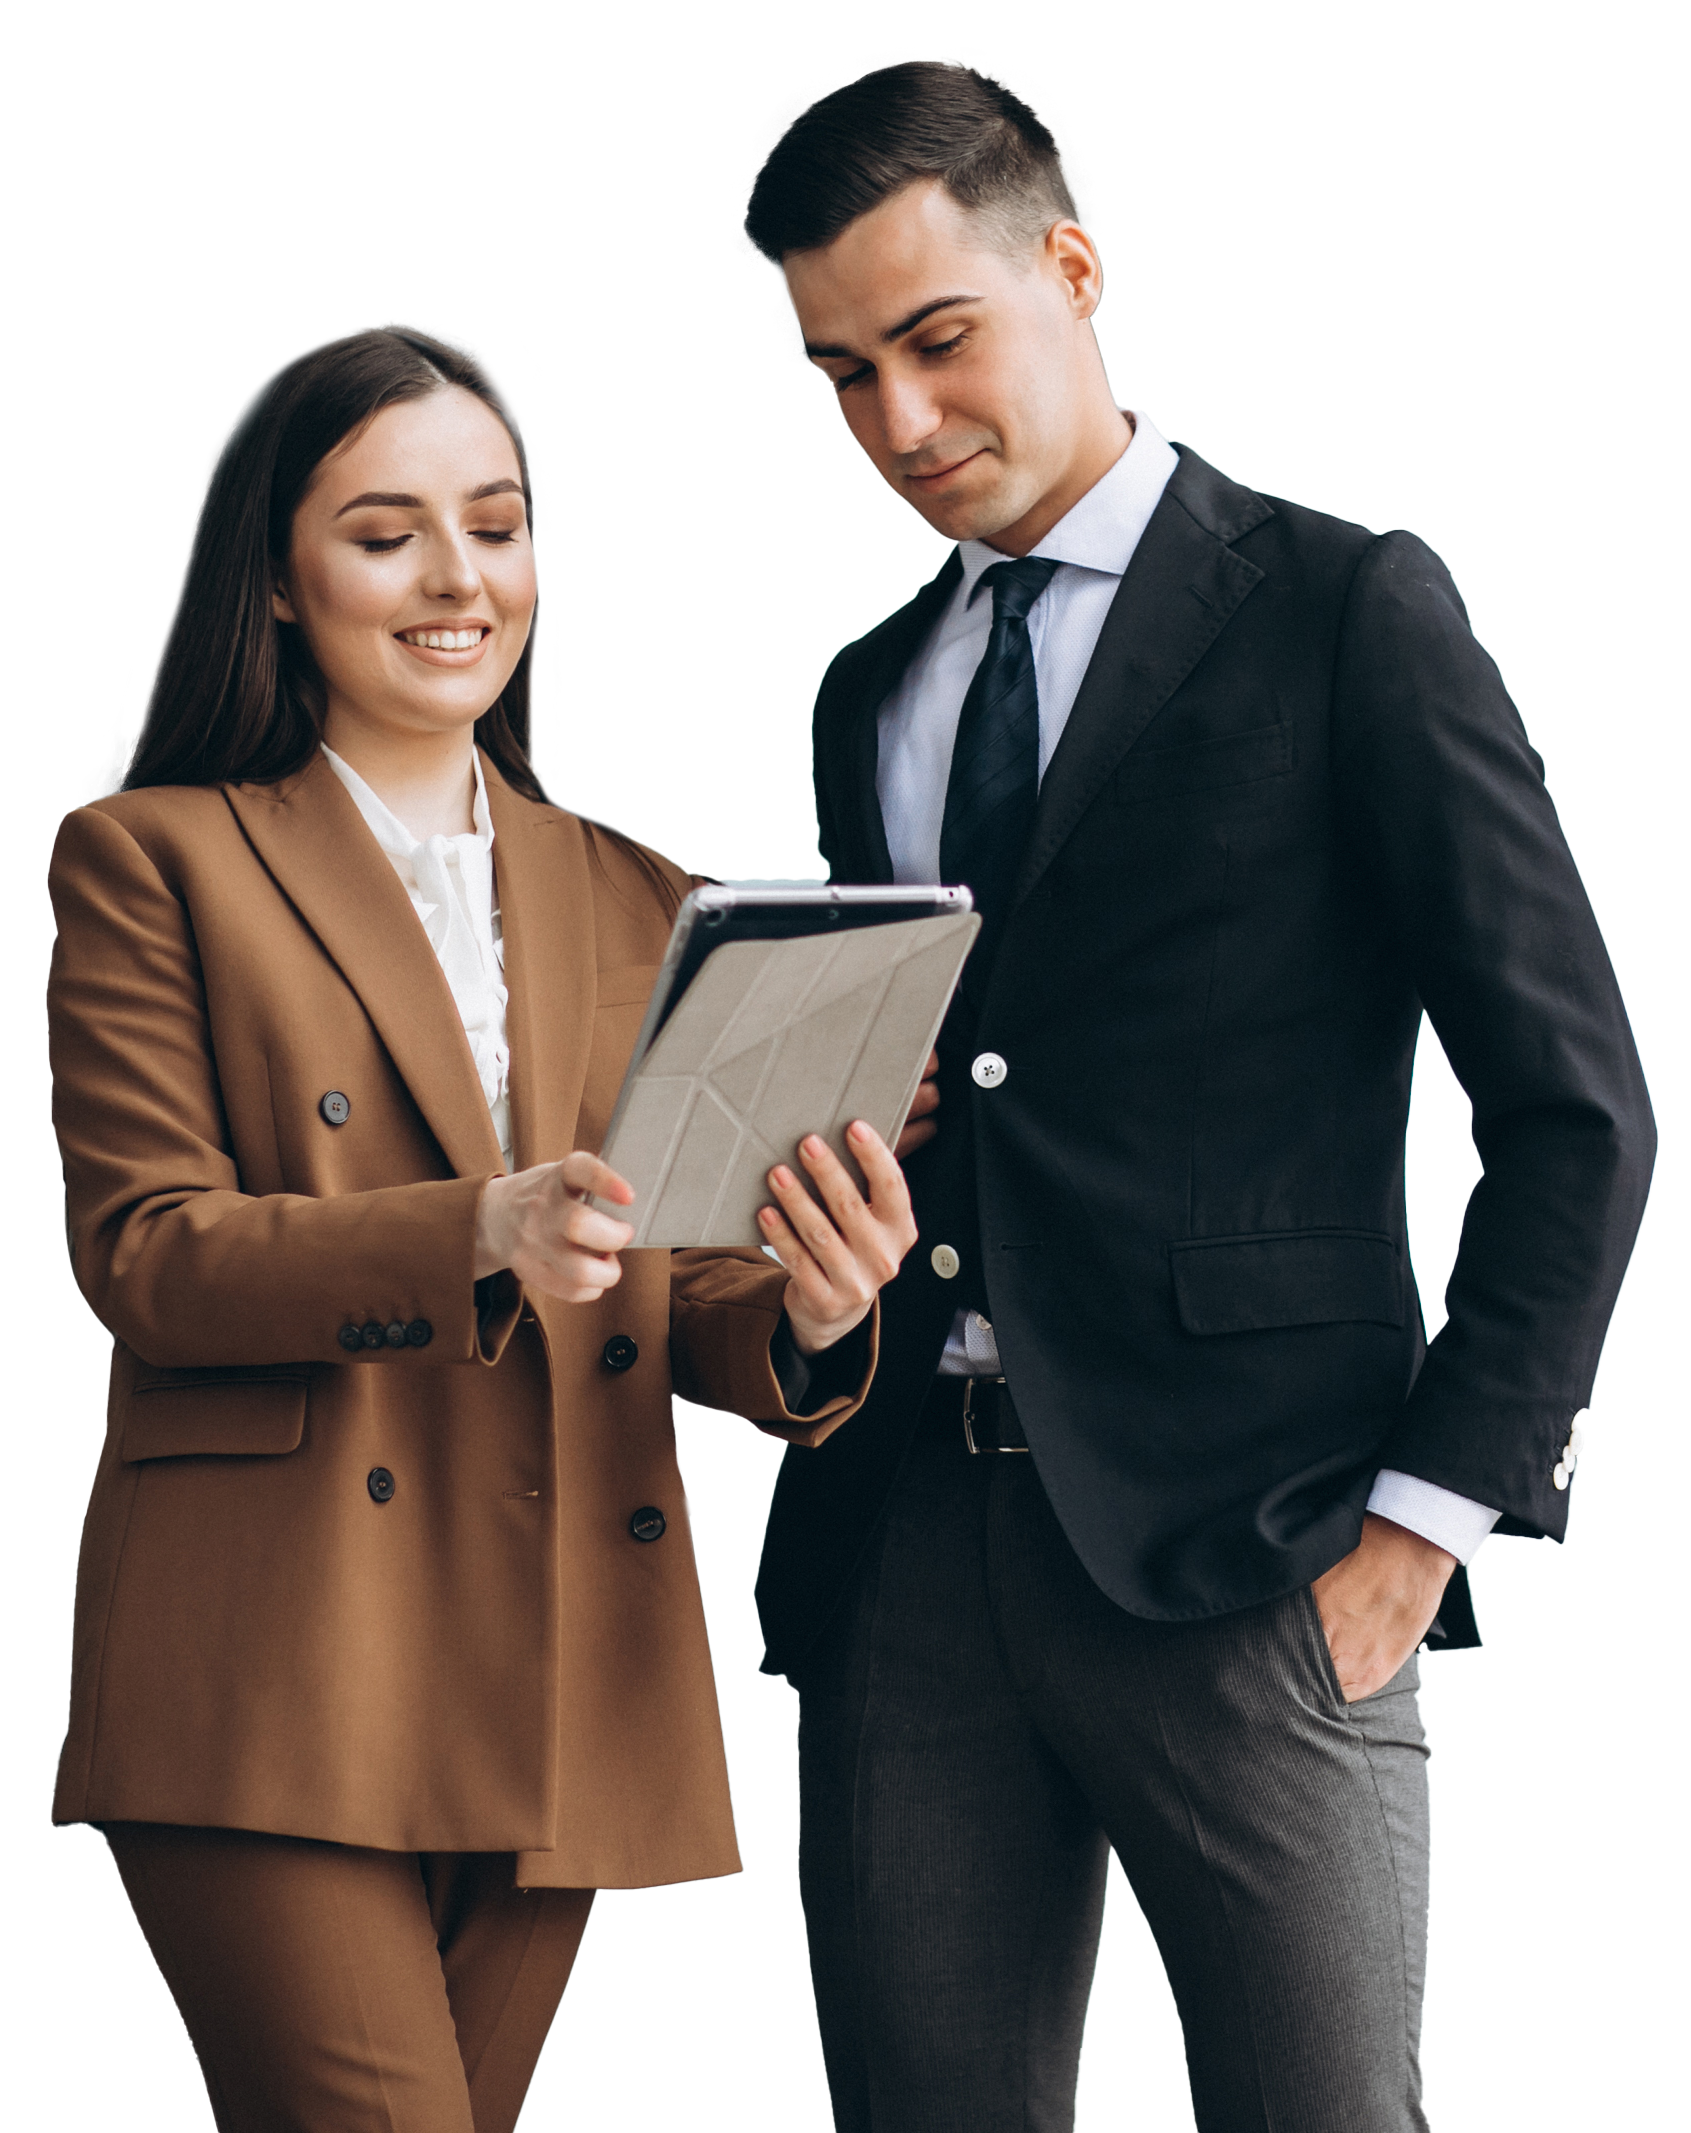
{"points": [[1395, 297]]}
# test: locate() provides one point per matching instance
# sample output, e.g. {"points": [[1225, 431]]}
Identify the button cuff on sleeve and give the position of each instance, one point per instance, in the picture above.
{"points": [[420, 1303]]}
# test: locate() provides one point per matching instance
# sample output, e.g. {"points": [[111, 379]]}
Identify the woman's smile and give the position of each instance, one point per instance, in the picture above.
{"points": [[459, 646]]}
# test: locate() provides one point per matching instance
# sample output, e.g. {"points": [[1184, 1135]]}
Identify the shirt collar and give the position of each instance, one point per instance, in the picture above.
{"points": [[385, 826], [1103, 529]]}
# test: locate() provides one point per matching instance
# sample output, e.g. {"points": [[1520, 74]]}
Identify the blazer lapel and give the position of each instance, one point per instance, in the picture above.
{"points": [[315, 844], [551, 967], [1179, 591], [883, 656]]}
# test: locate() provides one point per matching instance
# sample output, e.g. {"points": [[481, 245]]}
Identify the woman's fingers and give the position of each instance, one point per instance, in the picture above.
{"points": [[816, 1227], [573, 1277], [779, 1235], [889, 1196], [542, 1225], [582, 1172], [838, 1254], [590, 1229]]}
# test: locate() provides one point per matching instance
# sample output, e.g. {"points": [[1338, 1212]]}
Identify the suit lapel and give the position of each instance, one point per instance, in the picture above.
{"points": [[316, 846], [1178, 593], [551, 967], [882, 658]]}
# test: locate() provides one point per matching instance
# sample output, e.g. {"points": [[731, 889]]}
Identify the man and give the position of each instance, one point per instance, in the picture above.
{"points": [[1159, 1488]]}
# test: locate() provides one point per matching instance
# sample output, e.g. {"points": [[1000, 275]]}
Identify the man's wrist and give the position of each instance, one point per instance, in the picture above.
{"points": [[1455, 1523]]}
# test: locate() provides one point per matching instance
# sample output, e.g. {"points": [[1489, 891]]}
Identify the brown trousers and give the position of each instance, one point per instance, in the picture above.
{"points": [[329, 1989]]}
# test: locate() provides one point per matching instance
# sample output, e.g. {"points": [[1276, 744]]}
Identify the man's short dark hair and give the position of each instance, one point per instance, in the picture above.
{"points": [[866, 142]]}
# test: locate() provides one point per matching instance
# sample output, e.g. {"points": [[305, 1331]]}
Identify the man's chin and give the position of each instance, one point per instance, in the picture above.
{"points": [[965, 518]]}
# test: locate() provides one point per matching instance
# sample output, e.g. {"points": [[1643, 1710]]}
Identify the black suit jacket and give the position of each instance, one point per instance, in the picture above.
{"points": [[1293, 806]]}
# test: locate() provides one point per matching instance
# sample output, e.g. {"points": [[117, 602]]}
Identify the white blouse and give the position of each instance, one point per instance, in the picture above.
{"points": [[450, 882]]}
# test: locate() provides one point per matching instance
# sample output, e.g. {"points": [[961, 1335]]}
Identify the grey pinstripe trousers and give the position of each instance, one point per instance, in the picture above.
{"points": [[980, 1725]]}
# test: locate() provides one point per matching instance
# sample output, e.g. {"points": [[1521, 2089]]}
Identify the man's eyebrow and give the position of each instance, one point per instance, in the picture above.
{"points": [[814, 349], [397, 501]]}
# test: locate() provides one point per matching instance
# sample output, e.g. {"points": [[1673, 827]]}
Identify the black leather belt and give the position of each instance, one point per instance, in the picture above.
{"points": [[984, 1408]]}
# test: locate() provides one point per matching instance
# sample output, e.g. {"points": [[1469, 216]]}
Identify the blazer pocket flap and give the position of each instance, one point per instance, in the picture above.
{"points": [[1200, 766], [186, 1414], [628, 985], [1311, 1277]]}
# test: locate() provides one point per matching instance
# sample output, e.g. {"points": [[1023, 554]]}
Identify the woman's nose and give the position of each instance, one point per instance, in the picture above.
{"points": [[451, 573]]}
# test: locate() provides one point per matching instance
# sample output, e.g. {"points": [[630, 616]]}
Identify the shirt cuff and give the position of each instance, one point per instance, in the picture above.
{"points": [[1454, 1523], [809, 1382]]}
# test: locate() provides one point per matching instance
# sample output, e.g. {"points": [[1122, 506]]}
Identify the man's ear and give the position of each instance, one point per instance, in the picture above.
{"points": [[280, 605], [1074, 258]]}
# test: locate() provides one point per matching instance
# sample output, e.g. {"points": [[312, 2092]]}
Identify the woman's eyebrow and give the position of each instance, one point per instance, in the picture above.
{"points": [[382, 496], [398, 501]]}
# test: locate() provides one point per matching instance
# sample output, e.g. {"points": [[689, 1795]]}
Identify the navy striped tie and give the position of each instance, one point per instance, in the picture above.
{"points": [[994, 783]]}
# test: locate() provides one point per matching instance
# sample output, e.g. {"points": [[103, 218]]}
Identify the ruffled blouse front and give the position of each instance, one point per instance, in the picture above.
{"points": [[450, 882]]}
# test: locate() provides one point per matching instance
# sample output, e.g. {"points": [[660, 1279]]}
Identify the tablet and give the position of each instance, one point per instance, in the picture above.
{"points": [[780, 1009]]}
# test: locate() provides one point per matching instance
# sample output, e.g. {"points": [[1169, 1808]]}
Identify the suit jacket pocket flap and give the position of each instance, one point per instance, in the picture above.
{"points": [[181, 1414], [1199, 766], [628, 985], [1307, 1277]]}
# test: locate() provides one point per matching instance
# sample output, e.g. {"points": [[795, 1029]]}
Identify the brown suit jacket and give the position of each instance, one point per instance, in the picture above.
{"points": [[488, 1660]]}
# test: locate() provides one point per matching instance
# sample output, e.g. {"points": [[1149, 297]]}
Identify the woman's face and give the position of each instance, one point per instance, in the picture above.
{"points": [[410, 572]]}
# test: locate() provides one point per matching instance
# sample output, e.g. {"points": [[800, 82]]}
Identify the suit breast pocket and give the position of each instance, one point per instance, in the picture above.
{"points": [[629, 985], [622, 999], [185, 1414], [1205, 766]]}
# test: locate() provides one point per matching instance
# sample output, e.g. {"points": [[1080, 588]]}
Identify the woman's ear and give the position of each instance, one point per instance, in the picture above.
{"points": [[280, 605]]}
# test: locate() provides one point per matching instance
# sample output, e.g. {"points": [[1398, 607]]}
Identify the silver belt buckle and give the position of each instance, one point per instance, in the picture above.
{"points": [[969, 1385]]}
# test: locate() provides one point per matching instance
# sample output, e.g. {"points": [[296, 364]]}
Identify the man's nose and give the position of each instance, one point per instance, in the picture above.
{"points": [[910, 415]]}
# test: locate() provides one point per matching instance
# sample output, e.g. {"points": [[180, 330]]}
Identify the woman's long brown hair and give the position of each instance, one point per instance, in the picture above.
{"points": [[235, 694], [238, 698]]}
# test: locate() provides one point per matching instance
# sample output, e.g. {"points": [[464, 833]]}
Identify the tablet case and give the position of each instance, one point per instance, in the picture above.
{"points": [[773, 1040]]}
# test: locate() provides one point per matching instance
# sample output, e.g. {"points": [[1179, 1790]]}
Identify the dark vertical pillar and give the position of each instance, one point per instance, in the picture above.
{"points": [[82, 1871]]}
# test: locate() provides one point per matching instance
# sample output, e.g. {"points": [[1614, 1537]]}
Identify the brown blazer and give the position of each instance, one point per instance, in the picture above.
{"points": [[487, 1660]]}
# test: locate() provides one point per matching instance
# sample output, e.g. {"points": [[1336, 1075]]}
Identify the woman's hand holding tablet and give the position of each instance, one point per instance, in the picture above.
{"points": [[541, 1225], [843, 1253], [840, 1253]]}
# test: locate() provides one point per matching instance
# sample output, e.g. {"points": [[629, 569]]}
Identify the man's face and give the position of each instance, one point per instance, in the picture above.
{"points": [[962, 370]]}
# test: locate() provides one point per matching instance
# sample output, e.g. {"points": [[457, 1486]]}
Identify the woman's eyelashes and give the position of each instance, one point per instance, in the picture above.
{"points": [[493, 536]]}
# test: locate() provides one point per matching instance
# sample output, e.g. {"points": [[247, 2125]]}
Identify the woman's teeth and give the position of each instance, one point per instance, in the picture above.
{"points": [[443, 640]]}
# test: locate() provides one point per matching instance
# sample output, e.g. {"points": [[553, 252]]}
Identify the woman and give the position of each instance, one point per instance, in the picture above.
{"points": [[389, 1648]]}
